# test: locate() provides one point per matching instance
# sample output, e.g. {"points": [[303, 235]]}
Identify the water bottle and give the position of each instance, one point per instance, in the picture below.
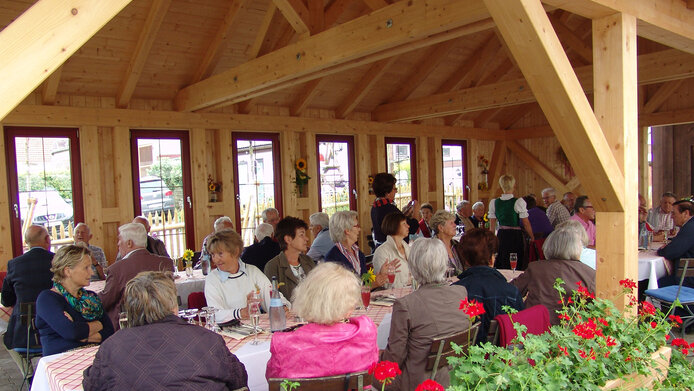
{"points": [[643, 238], [278, 321], [205, 266]]}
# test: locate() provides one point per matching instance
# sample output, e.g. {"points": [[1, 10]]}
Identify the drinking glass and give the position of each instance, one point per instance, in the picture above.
{"points": [[513, 259], [391, 275], [123, 320], [211, 321], [366, 296], [254, 315], [191, 314], [202, 317]]}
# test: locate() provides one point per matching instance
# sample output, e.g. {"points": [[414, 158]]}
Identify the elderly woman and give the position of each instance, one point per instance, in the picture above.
{"points": [[478, 214], [512, 215], [344, 231], [563, 250], [395, 226], [443, 224], [484, 283], [291, 265], [159, 350], [385, 189], [229, 285], [332, 343], [427, 211], [587, 254], [429, 312], [68, 316]]}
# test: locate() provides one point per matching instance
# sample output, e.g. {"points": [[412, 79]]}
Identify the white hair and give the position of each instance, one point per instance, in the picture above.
{"points": [[268, 210], [461, 204], [327, 294], [341, 222], [478, 204], [135, 232], [263, 230], [319, 218], [428, 260], [222, 223], [577, 228], [82, 225], [563, 244], [549, 191]]}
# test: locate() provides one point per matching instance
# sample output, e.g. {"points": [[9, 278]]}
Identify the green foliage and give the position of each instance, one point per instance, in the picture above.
{"points": [[288, 385], [169, 170], [680, 376], [60, 181]]}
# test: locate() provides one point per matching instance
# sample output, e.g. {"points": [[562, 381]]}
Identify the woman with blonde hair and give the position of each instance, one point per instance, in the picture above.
{"points": [[332, 343], [444, 229], [512, 215], [69, 316]]}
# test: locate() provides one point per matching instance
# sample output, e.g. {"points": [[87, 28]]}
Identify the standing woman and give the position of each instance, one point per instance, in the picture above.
{"points": [[68, 316], [426, 210], [384, 188], [443, 224], [512, 215], [395, 226]]}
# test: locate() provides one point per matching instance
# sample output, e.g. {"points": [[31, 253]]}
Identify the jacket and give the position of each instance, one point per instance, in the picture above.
{"points": [[335, 255], [259, 254], [279, 266], [378, 213]]}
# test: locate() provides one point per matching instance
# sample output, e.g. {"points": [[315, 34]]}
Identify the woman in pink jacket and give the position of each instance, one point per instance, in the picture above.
{"points": [[331, 343]]}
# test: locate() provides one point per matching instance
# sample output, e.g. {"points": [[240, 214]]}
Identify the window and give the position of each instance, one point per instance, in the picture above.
{"points": [[336, 173], [258, 184], [162, 186], [45, 183], [455, 188], [402, 163]]}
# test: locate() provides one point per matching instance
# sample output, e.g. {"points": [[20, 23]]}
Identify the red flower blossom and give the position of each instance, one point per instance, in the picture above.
{"points": [[675, 318], [602, 321], [609, 341], [607, 354], [628, 283], [564, 317], [627, 359], [471, 308], [587, 330], [667, 337], [632, 301], [680, 342], [563, 350], [654, 325], [429, 385], [385, 371], [589, 356], [647, 309], [583, 291], [685, 351]]}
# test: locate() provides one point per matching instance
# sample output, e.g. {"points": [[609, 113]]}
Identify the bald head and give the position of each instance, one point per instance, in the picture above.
{"points": [[143, 221], [37, 236]]}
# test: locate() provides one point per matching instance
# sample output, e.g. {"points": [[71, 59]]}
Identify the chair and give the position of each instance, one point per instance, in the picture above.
{"points": [[349, 381], [27, 316], [2, 278], [197, 300], [441, 348], [535, 318], [535, 252], [667, 295], [493, 332]]}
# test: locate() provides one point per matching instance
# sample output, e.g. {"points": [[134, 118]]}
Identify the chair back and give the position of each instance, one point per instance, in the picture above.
{"points": [[685, 268], [441, 348], [2, 278], [27, 317], [197, 300], [535, 252], [493, 332], [535, 318], [349, 381]]}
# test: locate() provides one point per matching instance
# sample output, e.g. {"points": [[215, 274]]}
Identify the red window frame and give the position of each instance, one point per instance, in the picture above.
{"points": [[352, 171], [413, 159]]}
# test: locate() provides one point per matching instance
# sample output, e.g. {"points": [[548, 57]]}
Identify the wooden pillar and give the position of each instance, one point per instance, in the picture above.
{"points": [[91, 181], [644, 168], [199, 172], [5, 232], [616, 105]]}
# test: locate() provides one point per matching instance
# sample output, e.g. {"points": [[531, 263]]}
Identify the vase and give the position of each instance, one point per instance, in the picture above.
{"points": [[213, 196], [634, 381]]}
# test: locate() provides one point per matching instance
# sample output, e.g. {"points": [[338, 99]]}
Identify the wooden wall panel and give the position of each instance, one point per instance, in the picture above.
{"points": [[91, 181], [5, 232]]}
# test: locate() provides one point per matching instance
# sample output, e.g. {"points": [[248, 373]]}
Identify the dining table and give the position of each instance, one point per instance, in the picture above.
{"points": [[64, 371]]}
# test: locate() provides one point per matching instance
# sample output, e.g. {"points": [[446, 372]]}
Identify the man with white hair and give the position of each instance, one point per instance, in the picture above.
{"points": [[259, 253], [221, 224], [463, 214], [154, 245], [82, 235], [271, 216], [319, 226], [556, 212], [132, 242]]}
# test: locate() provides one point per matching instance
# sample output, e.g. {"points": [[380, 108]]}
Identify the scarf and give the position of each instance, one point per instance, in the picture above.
{"points": [[86, 303], [381, 202]]}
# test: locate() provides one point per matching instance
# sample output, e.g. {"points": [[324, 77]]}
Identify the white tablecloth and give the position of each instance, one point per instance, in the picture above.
{"points": [[651, 267]]}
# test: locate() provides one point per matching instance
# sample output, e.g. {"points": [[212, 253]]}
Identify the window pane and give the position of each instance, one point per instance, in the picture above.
{"points": [[399, 160], [256, 183], [45, 186], [333, 166], [453, 175]]}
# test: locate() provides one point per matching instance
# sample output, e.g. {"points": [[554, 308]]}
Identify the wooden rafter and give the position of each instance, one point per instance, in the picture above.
{"points": [[375, 4], [296, 14], [363, 86], [31, 49], [153, 22], [572, 40], [50, 87], [308, 92], [316, 16], [511, 115], [674, 117], [690, 4], [537, 166], [661, 95], [262, 32], [334, 10]]}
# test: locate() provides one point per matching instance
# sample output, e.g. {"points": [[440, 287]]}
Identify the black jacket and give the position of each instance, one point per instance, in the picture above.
{"points": [[259, 254]]}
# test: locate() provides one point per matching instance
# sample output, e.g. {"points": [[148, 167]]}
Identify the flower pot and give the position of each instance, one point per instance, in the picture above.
{"points": [[634, 381]]}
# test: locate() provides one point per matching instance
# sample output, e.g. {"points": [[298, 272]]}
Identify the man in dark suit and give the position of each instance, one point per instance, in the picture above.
{"points": [[154, 245], [261, 252], [132, 242], [27, 275]]}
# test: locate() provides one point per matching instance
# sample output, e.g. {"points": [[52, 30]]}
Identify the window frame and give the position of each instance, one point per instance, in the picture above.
{"points": [[412, 142], [352, 167], [464, 172]]}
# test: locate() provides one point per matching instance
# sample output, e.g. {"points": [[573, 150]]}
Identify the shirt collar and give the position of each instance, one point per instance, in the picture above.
{"points": [[128, 254], [223, 276], [506, 196]]}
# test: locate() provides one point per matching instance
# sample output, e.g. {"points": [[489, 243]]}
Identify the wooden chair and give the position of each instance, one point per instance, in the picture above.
{"points": [[493, 332], [27, 318], [441, 348], [667, 295], [349, 381]]}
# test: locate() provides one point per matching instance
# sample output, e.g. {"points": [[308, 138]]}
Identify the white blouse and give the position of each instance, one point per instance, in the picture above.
{"points": [[389, 251]]}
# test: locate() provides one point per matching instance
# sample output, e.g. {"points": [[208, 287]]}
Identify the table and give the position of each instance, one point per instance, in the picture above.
{"points": [[63, 371], [184, 285], [651, 267]]}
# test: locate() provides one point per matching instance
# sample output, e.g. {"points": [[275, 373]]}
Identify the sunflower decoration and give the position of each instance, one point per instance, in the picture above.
{"points": [[212, 186], [301, 176], [188, 255], [369, 277], [371, 184]]}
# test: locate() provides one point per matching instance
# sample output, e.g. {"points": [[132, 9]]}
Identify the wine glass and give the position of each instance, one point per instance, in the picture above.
{"points": [[391, 275], [123, 320], [191, 314], [366, 296], [513, 259], [211, 321], [202, 317], [254, 315]]}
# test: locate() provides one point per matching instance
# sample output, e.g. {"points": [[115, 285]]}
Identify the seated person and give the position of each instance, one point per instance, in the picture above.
{"points": [[332, 343], [444, 229], [259, 253], [538, 219], [160, 351], [227, 287], [82, 234], [395, 226], [563, 251], [427, 211], [69, 316], [429, 312], [661, 217], [587, 254], [291, 265], [682, 245], [478, 214], [221, 224], [484, 283], [321, 236]]}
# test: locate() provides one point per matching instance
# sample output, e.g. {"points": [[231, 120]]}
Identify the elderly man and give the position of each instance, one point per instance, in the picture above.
{"points": [[221, 224], [478, 214], [660, 217], [82, 235], [682, 245], [154, 245], [259, 253], [569, 201], [463, 214], [271, 216], [584, 213], [27, 275], [321, 236], [132, 242], [556, 212]]}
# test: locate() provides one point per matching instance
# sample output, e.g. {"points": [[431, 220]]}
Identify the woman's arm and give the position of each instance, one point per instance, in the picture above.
{"points": [[52, 308], [528, 228]]}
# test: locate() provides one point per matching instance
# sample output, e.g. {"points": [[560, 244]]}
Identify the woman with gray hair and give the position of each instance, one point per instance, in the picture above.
{"points": [[344, 231], [587, 254], [332, 343], [563, 252], [443, 224], [429, 312], [157, 340]]}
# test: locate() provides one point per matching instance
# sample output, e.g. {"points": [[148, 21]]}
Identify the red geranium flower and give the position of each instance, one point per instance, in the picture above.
{"points": [[590, 355], [685, 351], [680, 342], [654, 325], [429, 385], [675, 318], [628, 283], [587, 330], [609, 341], [385, 371], [647, 309], [472, 308], [667, 337], [564, 317], [583, 291], [563, 350]]}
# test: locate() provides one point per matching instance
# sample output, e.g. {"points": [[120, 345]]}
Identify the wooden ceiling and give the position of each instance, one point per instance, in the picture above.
{"points": [[154, 49]]}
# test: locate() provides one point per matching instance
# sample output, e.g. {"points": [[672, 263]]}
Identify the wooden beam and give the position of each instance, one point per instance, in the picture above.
{"points": [[572, 40], [463, 76], [296, 14], [148, 34], [653, 68], [5, 208], [42, 38], [495, 165], [524, 133], [663, 118], [690, 4], [530, 37], [573, 183], [316, 14], [334, 10], [214, 50], [511, 115], [262, 31], [661, 95], [537, 166], [375, 4], [50, 87], [309, 91], [363, 86], [416, 22]]}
